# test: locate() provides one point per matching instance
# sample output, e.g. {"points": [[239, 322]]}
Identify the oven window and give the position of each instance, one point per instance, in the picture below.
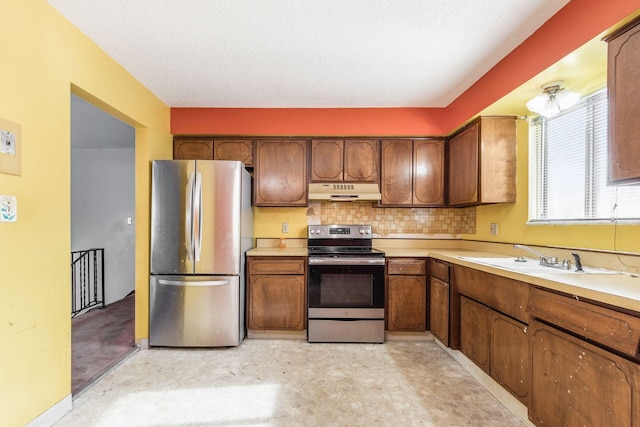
{"points": [[346, 289]]}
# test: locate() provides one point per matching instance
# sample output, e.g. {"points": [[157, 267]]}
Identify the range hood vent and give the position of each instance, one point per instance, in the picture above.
{"points": [[344, 192]]}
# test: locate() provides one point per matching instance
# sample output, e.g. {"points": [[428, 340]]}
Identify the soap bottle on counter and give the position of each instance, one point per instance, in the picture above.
{"points": [[282, 243]]}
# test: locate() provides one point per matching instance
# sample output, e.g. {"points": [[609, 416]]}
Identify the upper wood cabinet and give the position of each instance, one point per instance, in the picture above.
{"points": [[280, 172], [187, 148], [482, 162], [351, 160], [234, 149], [193, 149], [412, 172], [623, 75]]}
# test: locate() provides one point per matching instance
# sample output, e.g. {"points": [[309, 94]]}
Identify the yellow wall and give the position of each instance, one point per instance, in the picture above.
{"points": [[268, 222], [44, 59]]}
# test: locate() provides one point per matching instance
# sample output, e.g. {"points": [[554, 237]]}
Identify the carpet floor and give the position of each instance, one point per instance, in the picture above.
{"points": [[100, 339]]}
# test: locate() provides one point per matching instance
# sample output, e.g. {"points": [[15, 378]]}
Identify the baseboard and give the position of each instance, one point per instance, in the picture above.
{"points": [[508, 400], [53, 414], [408, 336], [276, 335]]}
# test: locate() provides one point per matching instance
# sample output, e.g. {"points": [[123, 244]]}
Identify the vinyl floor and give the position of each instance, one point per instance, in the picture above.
{"points": [[290, 383]]}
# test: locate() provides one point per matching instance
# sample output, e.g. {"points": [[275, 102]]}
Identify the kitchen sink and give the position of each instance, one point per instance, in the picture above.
{"points": [[532, 266]]}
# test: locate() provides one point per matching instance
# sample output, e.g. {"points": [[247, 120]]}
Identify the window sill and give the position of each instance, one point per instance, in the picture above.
{"points": [[621, 221]]}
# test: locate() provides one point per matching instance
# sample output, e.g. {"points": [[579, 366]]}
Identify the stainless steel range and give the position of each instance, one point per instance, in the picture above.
{"points": [[345, 287]]}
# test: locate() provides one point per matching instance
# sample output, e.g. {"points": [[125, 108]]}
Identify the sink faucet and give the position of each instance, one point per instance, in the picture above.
{"points": [[545, 260]]}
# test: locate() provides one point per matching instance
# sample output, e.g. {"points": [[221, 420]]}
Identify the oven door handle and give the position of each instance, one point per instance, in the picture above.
{"points": [[345, 261]]}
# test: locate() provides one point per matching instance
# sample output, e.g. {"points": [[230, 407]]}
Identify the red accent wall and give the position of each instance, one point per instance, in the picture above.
{"points": [[574, 25]]}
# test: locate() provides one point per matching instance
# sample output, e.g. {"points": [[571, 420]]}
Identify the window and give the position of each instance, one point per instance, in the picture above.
{"points": [[568, 167]]}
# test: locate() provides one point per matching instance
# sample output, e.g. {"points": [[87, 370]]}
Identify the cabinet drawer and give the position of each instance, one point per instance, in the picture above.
{"points": [[613, 329], [505, 295], [406, 266], [276, 265], [440, 270]]}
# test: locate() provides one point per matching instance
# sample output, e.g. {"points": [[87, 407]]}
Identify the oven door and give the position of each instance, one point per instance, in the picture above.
{"points": [[346, 285]]}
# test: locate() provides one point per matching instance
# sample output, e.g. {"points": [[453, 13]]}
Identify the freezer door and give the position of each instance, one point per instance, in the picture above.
{"points": [[196, 311], [217, 204], [172, 239]]}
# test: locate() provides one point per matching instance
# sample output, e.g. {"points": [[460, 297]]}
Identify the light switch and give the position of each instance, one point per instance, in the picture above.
{"points": [[129, 220], [285, 227], [8, 208]]}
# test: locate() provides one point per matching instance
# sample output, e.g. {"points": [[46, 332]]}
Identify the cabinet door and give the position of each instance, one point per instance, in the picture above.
{"points": [[428, 172], [276, 302], [280, 173], [192, 149], [510, 355], [475, 332], [233, 149], [463, 167], [623, 75], [397, 172], [439, 313], [498, 160], [361, 160], [407, 303], [575, 383], [326, 160]]}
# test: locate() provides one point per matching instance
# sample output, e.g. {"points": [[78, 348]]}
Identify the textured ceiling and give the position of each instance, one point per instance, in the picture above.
{"points": [[307, 53]]}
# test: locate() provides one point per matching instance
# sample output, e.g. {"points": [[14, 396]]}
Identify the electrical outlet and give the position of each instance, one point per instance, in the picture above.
{"points": [[285, 227], [493, 229]]}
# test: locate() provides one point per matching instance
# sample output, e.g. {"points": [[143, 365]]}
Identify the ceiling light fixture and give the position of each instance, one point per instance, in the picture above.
{"points": [[553, 99]]}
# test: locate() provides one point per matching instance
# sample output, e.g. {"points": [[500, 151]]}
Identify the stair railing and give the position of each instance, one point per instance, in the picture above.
{"points": [[87, 280]]}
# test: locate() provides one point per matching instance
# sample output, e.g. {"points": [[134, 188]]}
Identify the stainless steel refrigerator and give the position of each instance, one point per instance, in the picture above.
{"points": [[201, 227]]}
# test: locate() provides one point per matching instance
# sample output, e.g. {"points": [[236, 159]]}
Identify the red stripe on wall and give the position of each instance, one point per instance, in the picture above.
{"points": [[307, 121]]}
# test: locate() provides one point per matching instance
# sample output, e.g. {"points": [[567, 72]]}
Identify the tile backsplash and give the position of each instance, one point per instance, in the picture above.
{"points": [[398, 222]]}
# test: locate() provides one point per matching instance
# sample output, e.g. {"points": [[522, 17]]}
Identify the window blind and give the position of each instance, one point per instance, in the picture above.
{"points": [[568, 163]]}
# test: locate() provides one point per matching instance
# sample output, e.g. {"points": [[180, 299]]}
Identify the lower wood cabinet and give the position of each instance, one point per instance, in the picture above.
{"points": [[439, 309], [575, 383], [475, 332], [510, 356], [276, 293], [497, 344], [406, 294], [439, 300]]}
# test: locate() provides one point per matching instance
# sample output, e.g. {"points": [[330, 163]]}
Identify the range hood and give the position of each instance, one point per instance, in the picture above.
{"points": [[345, 192]]}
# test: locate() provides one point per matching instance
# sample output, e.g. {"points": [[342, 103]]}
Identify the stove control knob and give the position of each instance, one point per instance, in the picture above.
{"points": [[361, 231], [367, 231]]}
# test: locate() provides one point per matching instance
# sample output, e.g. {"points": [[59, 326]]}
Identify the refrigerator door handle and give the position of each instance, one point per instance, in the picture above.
{"points": [[199, 283], [188, 221], [198, 211]]}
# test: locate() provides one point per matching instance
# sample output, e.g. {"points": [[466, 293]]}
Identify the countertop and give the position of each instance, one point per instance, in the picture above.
{"points": [[266, 251], [620, 290]]}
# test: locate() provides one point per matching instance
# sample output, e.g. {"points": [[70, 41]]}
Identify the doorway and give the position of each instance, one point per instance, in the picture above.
{"points": [[102, 216]]}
